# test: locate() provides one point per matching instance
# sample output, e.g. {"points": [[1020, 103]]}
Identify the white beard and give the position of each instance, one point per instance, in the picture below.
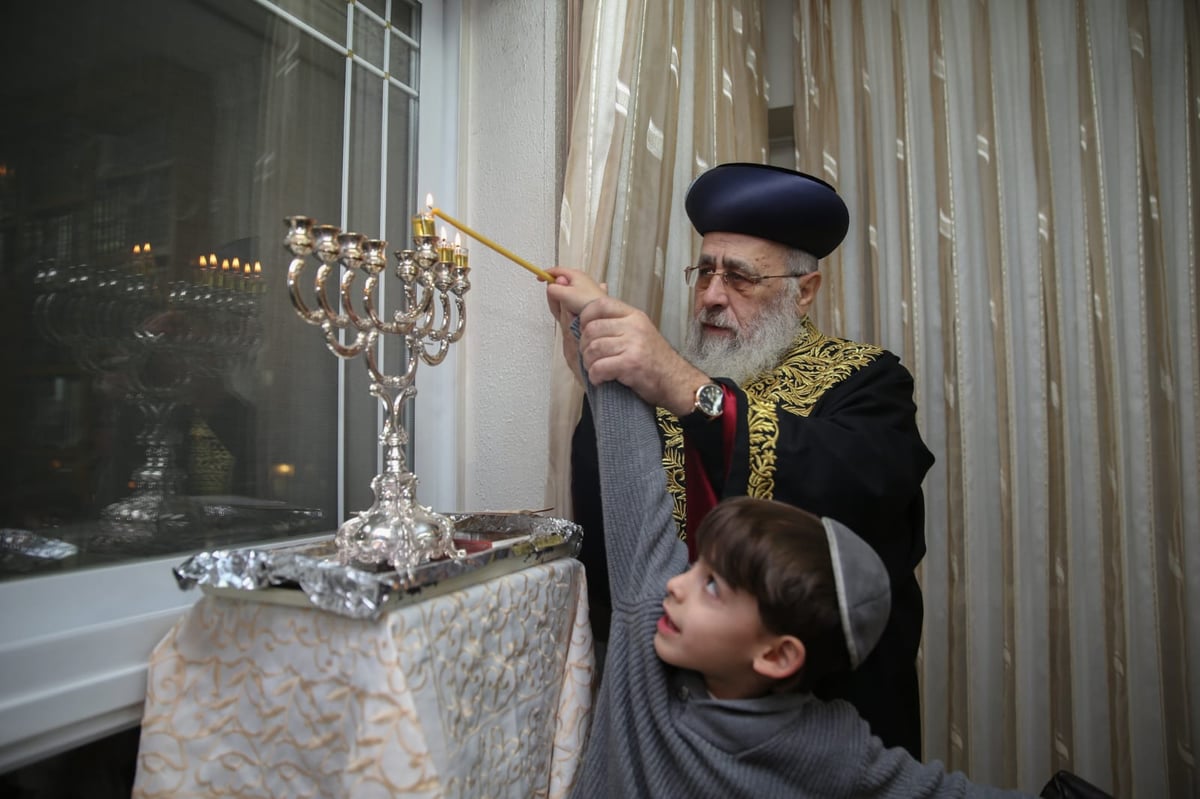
{"points": [[749, 351]]}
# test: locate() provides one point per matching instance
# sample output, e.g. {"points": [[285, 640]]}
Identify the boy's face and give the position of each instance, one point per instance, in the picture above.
{"points": [[709, 627]]}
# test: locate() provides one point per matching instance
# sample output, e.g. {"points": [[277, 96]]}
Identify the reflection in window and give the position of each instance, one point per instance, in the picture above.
{"points": [[161, 395]]}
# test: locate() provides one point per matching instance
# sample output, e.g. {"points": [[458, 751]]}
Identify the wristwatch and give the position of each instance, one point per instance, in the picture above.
{"points": [[710, 400]]}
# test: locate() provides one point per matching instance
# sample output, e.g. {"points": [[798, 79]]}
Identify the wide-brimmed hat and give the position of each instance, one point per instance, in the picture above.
{"points": [[769, 202]]}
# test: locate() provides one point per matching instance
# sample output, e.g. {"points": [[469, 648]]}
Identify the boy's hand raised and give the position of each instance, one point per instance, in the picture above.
{"points": [[569, 294]]}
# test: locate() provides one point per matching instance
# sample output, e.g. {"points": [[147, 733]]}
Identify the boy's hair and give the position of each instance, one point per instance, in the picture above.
{"points": [[780, 554]]}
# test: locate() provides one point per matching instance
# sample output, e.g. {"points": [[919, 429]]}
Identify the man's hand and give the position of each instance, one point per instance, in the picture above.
{"points": [[571, 291], [619, 342]]}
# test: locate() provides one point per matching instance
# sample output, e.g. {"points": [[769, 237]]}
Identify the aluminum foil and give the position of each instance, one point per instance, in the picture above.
{"points": [[32, 545], [497, 543]]}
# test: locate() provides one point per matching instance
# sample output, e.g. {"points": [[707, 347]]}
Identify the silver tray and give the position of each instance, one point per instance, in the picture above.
{"points": [[312, 575]]}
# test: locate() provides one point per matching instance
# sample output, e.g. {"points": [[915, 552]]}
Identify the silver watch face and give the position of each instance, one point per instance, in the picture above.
{"points": [[710, 399]]}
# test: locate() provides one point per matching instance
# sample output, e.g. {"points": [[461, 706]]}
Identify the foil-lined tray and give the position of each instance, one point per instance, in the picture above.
{"points": [[311, 574]]}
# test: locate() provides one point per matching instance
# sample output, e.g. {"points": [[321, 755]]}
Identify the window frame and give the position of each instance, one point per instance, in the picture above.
{"points": [[74, 647]]}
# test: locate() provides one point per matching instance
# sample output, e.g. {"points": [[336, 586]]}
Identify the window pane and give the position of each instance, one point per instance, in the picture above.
{"points": [[162, 393]]}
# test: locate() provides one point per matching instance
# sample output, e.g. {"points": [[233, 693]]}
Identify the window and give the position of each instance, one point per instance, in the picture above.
{"points": [[162, 395]]}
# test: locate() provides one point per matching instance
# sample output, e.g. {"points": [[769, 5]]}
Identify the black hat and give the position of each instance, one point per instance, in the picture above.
{"points": [[769, 202]]}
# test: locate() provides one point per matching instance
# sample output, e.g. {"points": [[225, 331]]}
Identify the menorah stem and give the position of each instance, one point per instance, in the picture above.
{"points": [[157, 481]]}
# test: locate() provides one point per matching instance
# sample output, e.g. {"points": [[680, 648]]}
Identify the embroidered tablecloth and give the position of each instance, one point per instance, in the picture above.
{"points": [[485, 691]]}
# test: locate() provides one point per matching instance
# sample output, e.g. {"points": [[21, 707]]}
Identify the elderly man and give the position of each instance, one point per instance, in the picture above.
{"points": [[761, 403]]}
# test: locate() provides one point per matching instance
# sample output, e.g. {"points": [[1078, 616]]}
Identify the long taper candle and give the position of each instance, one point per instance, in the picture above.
{"points": [[542, 274]]}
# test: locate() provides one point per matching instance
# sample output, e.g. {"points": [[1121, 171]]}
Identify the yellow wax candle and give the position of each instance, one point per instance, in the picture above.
{"points": [[542, 274]]}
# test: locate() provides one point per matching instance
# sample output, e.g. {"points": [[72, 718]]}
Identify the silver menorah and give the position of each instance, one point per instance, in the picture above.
{"points": [[395, 529]]}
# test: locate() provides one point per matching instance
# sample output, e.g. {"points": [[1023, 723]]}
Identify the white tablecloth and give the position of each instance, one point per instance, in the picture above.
{"points": [[484, 692]]}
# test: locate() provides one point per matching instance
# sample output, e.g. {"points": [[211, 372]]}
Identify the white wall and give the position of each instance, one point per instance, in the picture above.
{"points": [[511, 150], [511, 118], [779, 32]]}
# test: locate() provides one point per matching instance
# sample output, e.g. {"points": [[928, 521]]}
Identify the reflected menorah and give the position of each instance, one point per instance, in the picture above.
{"points": [[151, 342], [431, 316]]}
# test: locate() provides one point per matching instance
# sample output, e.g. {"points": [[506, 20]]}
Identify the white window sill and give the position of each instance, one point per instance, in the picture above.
{"points": [[74, 648]]}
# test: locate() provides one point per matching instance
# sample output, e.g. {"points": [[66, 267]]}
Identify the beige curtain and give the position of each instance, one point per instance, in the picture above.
{"points": [[1025, 204], [666, 88]]}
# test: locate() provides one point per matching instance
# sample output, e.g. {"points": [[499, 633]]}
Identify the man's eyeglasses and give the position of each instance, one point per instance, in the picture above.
{"points": [[701, 276]]}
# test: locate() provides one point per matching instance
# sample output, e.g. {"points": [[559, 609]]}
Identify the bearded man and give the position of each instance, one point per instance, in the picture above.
{"points": [[761, 403]]}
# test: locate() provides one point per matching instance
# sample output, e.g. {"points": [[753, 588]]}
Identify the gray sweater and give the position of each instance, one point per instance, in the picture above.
{"points": [[656, 732]]}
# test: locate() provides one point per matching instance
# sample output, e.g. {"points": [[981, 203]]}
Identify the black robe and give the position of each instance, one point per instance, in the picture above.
{"points": [[831, 430]]}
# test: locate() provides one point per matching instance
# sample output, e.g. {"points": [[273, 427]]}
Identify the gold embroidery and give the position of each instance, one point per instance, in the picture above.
{"points": [[672, 433], [764, 436], [815, 364]]}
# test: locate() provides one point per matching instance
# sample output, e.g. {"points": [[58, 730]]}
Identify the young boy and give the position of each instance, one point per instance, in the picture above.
{"points": [[706, 691]]}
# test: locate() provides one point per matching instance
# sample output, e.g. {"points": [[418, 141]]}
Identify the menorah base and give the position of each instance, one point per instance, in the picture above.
{"points": [[148, 506], [395, 529]]}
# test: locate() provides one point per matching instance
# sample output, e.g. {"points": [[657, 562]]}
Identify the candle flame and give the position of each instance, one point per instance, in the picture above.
{"points": [[458, 240], [212, 260], [146, 247], [203, 262], [237, 264], [258, 267], [225, 265], [444, 233], [137, 250], [429, 201]]}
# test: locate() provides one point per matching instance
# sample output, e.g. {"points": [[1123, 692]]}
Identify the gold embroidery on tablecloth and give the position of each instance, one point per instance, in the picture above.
{"points": [[815, 364]]}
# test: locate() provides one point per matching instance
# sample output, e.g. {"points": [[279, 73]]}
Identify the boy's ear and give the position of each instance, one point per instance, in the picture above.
{"points": [[783, 658]]}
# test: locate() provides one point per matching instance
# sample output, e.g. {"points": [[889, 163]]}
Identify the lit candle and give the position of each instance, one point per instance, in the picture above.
{"points": [[445, 251], [137, 249], [422, 225], [460, 252], [542, 274], [146, 248]]}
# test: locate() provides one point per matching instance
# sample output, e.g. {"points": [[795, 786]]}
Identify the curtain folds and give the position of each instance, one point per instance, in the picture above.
{"points": [[1023, 186], [666, 88], [1024, 192]]}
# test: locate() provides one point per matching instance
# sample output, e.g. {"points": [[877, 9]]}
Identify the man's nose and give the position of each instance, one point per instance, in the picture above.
{"points": [[714, 295]]}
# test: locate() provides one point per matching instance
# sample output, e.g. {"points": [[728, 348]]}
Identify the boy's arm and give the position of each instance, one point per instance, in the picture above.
{"points": [[643, 550]]}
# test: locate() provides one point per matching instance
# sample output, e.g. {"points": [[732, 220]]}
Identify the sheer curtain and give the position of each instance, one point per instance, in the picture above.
{"points": [[665, 90], [1022, 179]]}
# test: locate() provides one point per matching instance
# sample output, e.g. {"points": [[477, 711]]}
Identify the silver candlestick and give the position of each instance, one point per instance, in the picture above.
{"points": [[395, 529]]}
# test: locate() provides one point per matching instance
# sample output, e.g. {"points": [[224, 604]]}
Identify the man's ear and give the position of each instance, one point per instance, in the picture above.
{"points": [[809, 285], [783, 658]]}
